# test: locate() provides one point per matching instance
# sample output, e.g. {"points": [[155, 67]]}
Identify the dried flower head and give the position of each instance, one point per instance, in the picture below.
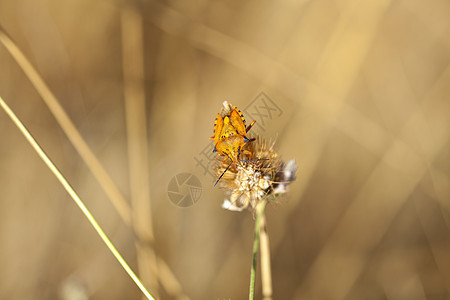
{"points": [[246, 183]]}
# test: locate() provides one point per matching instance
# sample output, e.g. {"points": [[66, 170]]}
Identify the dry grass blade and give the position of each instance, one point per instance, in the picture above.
{"points": [[107, 184], [382, 196], [133, 69], [74, 196]]}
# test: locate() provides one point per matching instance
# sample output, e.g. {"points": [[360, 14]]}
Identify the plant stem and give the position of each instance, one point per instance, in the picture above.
{"points": [[264, 248], [75, 197], [168, 280], [259, 213], [136, 125]]}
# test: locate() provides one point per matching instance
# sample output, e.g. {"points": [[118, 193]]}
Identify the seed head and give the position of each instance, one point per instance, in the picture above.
{"points": [[246, 183]]}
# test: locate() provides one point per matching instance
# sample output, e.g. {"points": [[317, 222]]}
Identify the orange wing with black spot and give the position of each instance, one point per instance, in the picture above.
{"points": [[218, 125], [238, 121], [240, 113]]}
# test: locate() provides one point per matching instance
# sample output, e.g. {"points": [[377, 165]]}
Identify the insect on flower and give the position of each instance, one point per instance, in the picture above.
{"points": [[259, 175], [265, 178], [230, 134]]}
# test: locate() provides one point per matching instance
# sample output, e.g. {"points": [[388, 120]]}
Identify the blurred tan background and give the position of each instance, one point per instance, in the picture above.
{"points": [[362, 88]]}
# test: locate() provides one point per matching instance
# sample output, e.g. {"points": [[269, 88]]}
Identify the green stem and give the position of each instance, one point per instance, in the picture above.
{"points": [[74, 196], [259, 212]]}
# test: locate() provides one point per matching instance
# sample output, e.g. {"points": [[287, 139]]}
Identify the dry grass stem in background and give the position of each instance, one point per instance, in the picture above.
{"points": [[136, 120], [109, 187], [144, 231], [74, 196]]}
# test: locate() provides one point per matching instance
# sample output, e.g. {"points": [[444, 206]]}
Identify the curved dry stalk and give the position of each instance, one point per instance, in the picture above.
{"points": [[107, 184], [167, 279], [74, 196]]}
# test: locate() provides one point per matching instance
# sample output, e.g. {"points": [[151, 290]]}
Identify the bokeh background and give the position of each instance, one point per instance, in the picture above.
{"points": [[362, 89]]}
